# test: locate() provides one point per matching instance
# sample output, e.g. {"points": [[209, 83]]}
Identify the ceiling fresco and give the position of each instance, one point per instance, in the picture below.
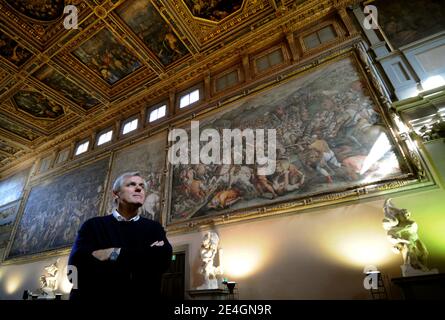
{"points": [[37, 105], [66, 87], [41, 10], [55, 81], [108, 58], [146, 22], [12, 51], [214, 10], [17, 129]]}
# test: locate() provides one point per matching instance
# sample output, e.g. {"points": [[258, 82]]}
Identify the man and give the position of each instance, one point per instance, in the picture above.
{"points": [[121, 255]]}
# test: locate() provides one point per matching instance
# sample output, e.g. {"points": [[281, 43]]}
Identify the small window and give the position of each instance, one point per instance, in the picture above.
{"points": [[82, 147], [321, 36], [157, 113], [189, 98], [269, 60], [63, 155], [130, 126], [226, 81], [105, 137]]}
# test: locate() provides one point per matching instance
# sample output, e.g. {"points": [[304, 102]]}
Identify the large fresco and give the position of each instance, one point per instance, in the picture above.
{"points": [[58, 82], [11, 188], [37, 105], [18, 130], [108, 58], [7, 218], [330, 136], [145, 21], [42, 10], [214, 10], [57, 207], [148, 158], [12, 51], [407, 21]]}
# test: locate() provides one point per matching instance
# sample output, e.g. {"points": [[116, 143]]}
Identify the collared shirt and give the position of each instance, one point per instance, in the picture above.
{"points": [[121, 218]]}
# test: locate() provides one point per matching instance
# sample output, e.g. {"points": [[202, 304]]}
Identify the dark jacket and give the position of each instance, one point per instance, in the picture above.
{"points": [[137, 272]]}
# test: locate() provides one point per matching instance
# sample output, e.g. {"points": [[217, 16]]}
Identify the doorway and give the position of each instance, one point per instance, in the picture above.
{"points": [[173, 281]]}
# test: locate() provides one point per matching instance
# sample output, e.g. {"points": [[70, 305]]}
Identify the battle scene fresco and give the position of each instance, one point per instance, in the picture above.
{"points": [[52, 218], [42, 10], [37, 105], [7, 219], [11, 188], [17, 129], [12, 51], [71, 91], [330, 136], [407, 21], [145, 21], [214, 10], [148, 158], [108, 58]]}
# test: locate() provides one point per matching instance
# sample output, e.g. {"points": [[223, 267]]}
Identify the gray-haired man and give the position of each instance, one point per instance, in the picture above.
{"points": [[121, 255]]}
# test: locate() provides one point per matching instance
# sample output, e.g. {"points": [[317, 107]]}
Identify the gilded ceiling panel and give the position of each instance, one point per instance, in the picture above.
{"points": [[37, 105], [6, 148], [41, 10], [17, 129], [146, 22], [12, 51], [69, 89], [214, 10], [109, 59]]}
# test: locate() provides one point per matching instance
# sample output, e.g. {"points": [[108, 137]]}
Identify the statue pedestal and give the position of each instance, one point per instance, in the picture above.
{"points": [[209, 294], [422, 287]]}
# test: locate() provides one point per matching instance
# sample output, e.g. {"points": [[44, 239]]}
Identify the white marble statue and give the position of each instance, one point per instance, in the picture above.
{"points": [[209, 251], [49, 281], [402, 233]]}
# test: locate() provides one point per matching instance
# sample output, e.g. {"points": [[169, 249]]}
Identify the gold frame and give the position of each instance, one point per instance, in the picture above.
{"points": [[419, 175]]}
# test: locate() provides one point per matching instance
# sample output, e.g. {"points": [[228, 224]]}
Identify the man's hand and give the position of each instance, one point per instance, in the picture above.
{"points": [[102, 254], [157, 243]]}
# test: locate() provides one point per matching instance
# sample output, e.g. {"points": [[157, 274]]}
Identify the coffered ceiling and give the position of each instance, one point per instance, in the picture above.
{"points": [[52, 79]]}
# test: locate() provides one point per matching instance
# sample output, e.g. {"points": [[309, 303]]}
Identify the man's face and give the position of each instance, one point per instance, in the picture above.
{"points": [[132, 191]]}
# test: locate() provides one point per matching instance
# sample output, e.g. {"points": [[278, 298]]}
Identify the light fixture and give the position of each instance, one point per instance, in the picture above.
{"points": [[230, 285]]}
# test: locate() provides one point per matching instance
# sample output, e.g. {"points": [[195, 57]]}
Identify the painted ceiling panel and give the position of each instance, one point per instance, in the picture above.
{"points": [[12, 51], [17, 129], [145, 21], [42, 10], [107, 57], [69, 89], [37, 105], [214, 10]]}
